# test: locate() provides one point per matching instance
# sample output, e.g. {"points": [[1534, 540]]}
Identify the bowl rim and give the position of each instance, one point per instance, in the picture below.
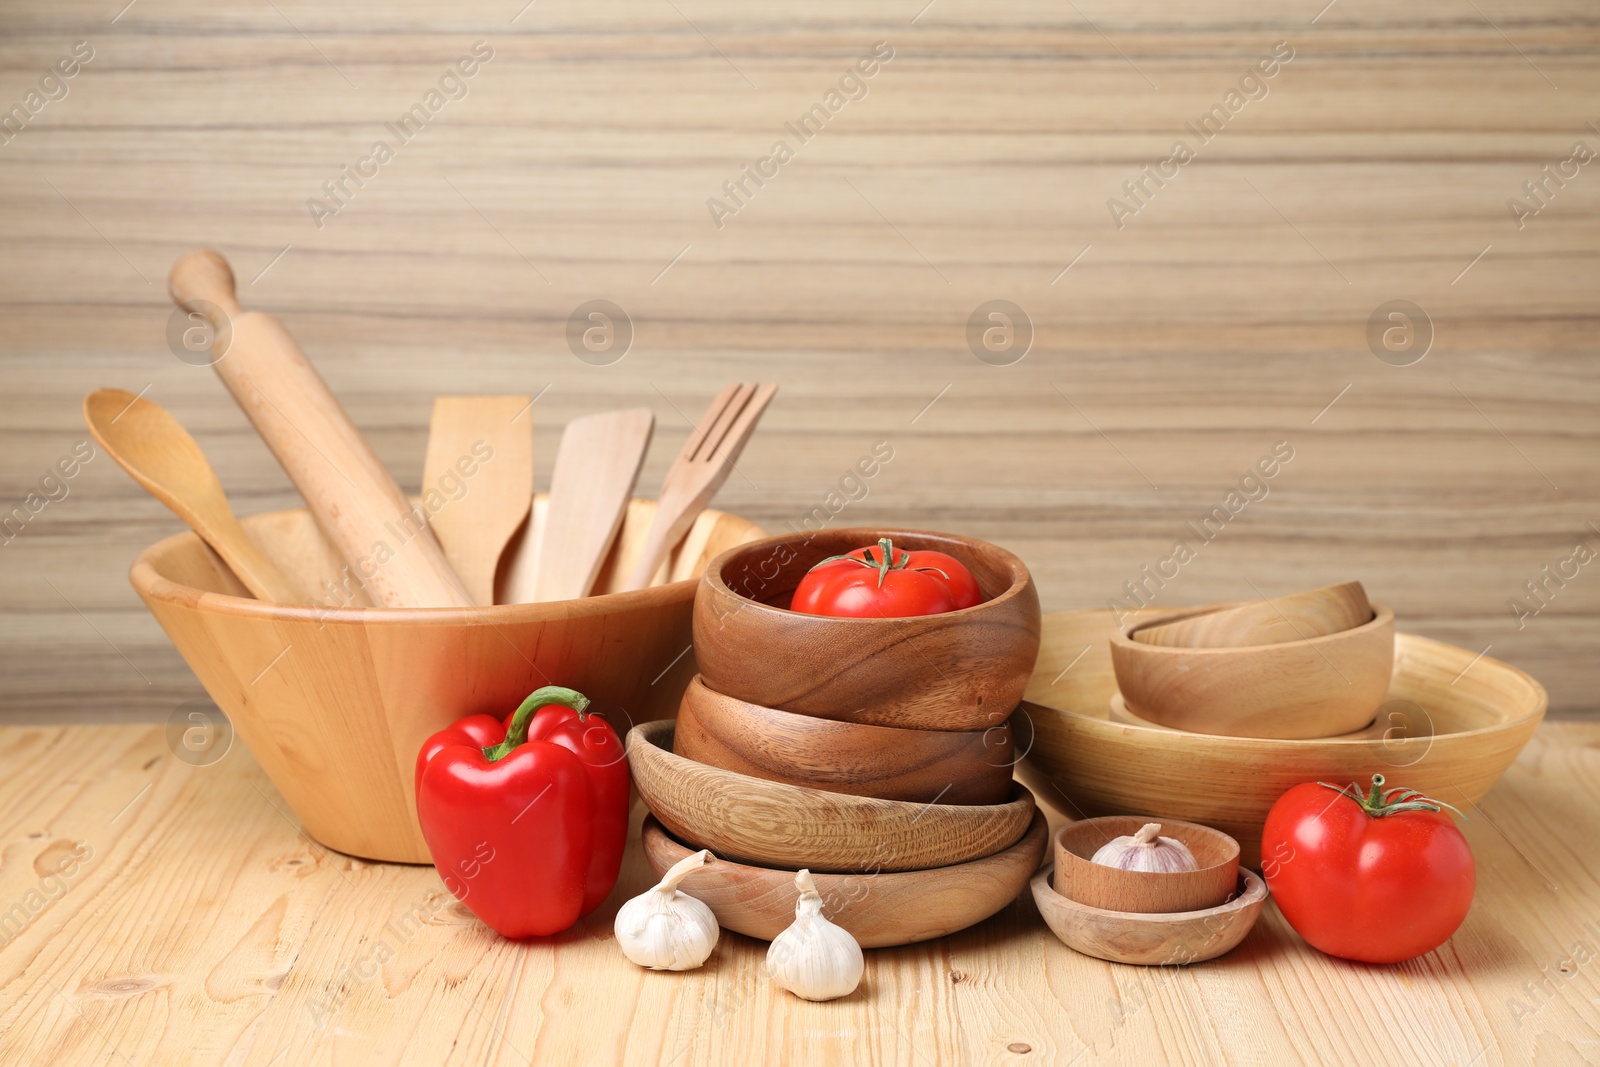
{"points": [[1381, 616], [1021, 577], [1255, 892], [1541, 704], [1057, 845], [152, 585]]}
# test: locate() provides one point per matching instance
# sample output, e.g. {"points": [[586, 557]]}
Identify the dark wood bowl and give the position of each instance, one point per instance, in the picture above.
{"points": [[962, 670], [944, 766]]}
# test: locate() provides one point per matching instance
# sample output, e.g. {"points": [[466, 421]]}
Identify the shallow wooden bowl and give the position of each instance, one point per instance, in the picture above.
{"points": [[1452, 724], [770, 824], [947, 766], [335, 702], [1152, 940], [1080, 879], [879, 910], [963, 670], [1120, 712], [1297, 689], [1313, 613]]}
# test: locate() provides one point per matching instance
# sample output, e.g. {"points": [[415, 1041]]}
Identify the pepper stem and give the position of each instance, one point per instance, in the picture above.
{"points": [[1378, 802], [517, 732]]}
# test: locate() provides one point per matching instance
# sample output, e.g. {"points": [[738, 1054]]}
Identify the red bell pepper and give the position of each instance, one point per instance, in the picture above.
{"points": [[527, 818]]}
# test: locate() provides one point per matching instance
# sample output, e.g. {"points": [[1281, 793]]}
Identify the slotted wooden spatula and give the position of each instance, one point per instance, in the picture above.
{"points": [[596, 468], [477, 481], [699, 471]]}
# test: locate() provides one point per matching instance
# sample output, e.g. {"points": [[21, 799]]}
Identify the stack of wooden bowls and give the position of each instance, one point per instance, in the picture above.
{"points": [[876, 752]]}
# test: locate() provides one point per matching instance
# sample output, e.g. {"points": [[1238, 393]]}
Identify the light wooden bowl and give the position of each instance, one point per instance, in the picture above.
{"points": [[335, 703], [962, 670], [775, 825], [1080, 879], [1313, 613], [879, 910], [1152, 940], [1453, 724], [948, 766], [1120, 712], [1298, 689]]}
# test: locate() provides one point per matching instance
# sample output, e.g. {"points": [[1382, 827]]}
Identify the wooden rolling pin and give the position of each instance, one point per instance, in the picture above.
{"points": [[383, 539]]}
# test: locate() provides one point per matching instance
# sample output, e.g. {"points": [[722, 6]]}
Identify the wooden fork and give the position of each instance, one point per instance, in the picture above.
{"points": [[699, 471]]}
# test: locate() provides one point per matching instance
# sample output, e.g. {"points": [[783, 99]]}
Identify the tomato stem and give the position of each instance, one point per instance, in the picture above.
{"points": [[1379, 802], [888, 563], [517, 732]]}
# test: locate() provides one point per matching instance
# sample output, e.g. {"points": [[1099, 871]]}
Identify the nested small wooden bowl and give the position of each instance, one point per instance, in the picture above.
{"points": [[1292, 690], [771, 824], [1298, 616], [335, 702], [1120, 712], [1080, 879], [879, 910], [947, 766], [1152, 940], [962, 670]]}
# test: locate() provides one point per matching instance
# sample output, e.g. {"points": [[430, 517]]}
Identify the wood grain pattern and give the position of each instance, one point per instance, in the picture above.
{"points": [[1454, 723], [1165, 940], [883, 909], [947, 766], [1296, 617], [1080, 879], [960, 670], [775, 825], [479, 472], [1318, 687], [335, 702]]}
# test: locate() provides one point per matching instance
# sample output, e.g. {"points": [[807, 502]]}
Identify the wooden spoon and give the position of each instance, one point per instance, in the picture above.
{"points": [[595, 471], [477, 481], [153, 447], [384, 540], [1296, 617], [699, 471]]}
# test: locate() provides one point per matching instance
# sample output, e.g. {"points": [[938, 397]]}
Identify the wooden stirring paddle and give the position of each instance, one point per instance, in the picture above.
{"points": [[155, 449], [699, 471], [384, 540], [477, 481]]}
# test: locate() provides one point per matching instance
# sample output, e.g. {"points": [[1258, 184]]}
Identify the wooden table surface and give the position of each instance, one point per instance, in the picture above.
{"points": [[1232, 310]]}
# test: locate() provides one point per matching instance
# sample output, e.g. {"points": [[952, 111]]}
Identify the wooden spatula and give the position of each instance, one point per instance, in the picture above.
{"points": [[699, 471], [595, 471], [384, 540], [153, 447], [477, 481]]}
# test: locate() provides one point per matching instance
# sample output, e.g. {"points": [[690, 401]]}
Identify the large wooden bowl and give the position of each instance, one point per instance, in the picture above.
{"points": [[1455, 723], [1291, 690], [963, 670], [770, 824], [1152, 940], [335, 703], [948, 766], [879, 910]]}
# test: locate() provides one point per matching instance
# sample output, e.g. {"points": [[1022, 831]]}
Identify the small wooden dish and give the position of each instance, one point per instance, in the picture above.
{"points": [[1080, 879], [1159, 940], [947, 766], [1120, 712], [1296, 617], [879, 910], [1320, 687], [962, 670], [770, 824]]}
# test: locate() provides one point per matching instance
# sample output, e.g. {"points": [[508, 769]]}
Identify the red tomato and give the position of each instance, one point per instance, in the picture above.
{"points": [[1378, 878], [883, 582]]}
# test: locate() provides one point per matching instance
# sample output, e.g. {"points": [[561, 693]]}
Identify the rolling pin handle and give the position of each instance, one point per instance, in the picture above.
{"points": [[203, 277]]}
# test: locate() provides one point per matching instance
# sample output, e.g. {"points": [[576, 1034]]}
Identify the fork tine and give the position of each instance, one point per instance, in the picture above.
{"points": [[706, 428], [727, 413], [745, 423]]}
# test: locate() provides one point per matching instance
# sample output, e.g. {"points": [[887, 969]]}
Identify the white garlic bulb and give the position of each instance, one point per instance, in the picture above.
{"points": [[1145, 851], [666, 930], [814, 958]]}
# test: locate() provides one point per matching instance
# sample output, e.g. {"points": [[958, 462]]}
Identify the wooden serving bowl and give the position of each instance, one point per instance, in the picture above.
{"points": [[1452, 725], [879, 910], [770, 824], [1296, 689], [335, 702], [1152, 940], [963, 670], [947, 766], [1080, 879], [1312, 613], [1121, 713]]}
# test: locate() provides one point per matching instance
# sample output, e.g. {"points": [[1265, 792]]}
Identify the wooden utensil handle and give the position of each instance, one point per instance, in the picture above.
{"points": [[385, 540]]}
